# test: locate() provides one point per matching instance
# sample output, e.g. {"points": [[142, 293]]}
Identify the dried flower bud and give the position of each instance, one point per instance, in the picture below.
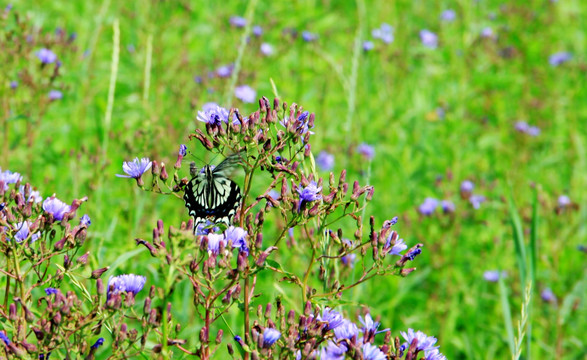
{"points": [[58, 246], [100, 287], [97, 273], [164, 176], [83, 259], [155, 169]]}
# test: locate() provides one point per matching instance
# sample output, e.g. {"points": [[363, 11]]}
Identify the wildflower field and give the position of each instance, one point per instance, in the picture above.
{"points": [[293, 180]]}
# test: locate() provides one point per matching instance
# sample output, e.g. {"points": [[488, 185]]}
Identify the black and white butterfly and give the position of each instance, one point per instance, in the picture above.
{"points": [[210, 196]]}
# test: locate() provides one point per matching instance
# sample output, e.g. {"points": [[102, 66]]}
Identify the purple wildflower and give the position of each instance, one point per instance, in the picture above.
{"points": [[493, 275], [434, 355], [428, 207], [267, 49], [13, 84], [366, 150], [467, 186], [309, 193], [548, 296], [487, 32], [332, 351], [369, 326], [214, 241], [429, 39], [136, 168], [8, 177], [270, 336], [46, 56], [521, 126], [238, 21], [182, 150], [238, 237], [448, 15], [257, 30], [424, 343], [4, 338], [308, 36], [411, 255], [98, 343], [225, 70], [349, 260], [368, 45], [533, 131], [34, 195], [384, 33], [325, 161], [129, 283], [372, 352], [564, 201], [56, 207], [448, 207], [332, 317], [213, 115], [346, 330], [55, 95], [24, 231], [559, 58], [245, 93], [398, 247], [476, 201], [85, 221], [51, 291]]}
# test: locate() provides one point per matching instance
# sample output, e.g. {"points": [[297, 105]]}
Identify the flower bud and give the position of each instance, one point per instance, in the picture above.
{"points": [[12, 315], [219, 336], [164, 176], [83, 259], [98, 272], [100, 287], [155, 169], [58, 246], [204, 335]]}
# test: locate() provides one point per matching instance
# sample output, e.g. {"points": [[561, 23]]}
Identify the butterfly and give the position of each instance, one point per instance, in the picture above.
{"points": [[210, 196]]}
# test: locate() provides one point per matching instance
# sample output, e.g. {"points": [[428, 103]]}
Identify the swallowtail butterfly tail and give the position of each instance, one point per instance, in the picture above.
{"points": [[210, 195]]}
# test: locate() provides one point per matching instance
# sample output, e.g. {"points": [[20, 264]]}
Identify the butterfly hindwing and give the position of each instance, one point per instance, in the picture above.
{"points": [[211, 196]]}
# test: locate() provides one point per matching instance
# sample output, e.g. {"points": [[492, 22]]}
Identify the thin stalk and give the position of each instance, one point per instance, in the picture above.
{"points": [[112, 85]]}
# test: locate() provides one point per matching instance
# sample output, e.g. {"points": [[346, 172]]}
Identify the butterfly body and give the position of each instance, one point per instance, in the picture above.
{"points": [[210, 196]]}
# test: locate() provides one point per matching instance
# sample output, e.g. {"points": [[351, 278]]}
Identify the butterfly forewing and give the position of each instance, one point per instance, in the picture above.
{"points": [[211, 196]]}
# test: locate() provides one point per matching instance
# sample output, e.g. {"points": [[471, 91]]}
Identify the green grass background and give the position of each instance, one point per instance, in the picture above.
{"points": [[398, 89]]}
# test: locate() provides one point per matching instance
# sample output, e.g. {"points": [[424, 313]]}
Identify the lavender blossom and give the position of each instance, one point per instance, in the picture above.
{"points": [[245, 93], [366, 150], [136, 168], [4, 338], [8, 177], [46, 56], [238, 237], [55, 95], [448, 207], [34, 196], [476, 201], [368, 45], [257, 30], [370, 326], [56, 207], [533, 131], [467, 186], [434, 355], [372, 352], [332, 351], [521, 126], [349, 260], [129, 283], [428, 207], [346, 330], [563, 201], [225, 71], [398, 247], [548, 296], [309, 193], [51, 291], [270, 336], [424, 342], [559, 58], [487, 32], [429, 39], [98, 343], [383, 33], [308, 36], [238, 21], [213, 115], [332, 317], [493, 275], [24, 231], [267, 49], [13, 84], [325, 161], [214, 241], [85, 221], [448, 15]]}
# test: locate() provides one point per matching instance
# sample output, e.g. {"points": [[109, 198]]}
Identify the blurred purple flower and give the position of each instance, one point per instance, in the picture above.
{"points": [[308, 36], [434, 355], [4, 338], [349, 260], [51, 291], [129, 283], [476, 200], [398, 247], [182, 150], [13, 84], [429, 39], [559, 58], [34, 195], [56, 207], [346, 330], [257, 30], [238, 238], [214, 241], [238, 21], [325, 161], [521, 126], [467, 186], [366, 150], [136, 168], [487, 32], [372, 352], [448, 15], [213, 114], [548, 296], [533, 131], [266, 49], [85, 220], [564, 201], [24, 231], [8, 177], [225, 70], [245, 93], [368, 45], [370, 326], [270, 336], [55, 95], [428, 207], [425, 342], [448, 206], [493, 275], [97, 344], [332, 351], [46, 56], [383, 33]]}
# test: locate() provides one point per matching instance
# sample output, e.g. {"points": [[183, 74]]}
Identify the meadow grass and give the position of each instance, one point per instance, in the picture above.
{"points": [[143, 102]]}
